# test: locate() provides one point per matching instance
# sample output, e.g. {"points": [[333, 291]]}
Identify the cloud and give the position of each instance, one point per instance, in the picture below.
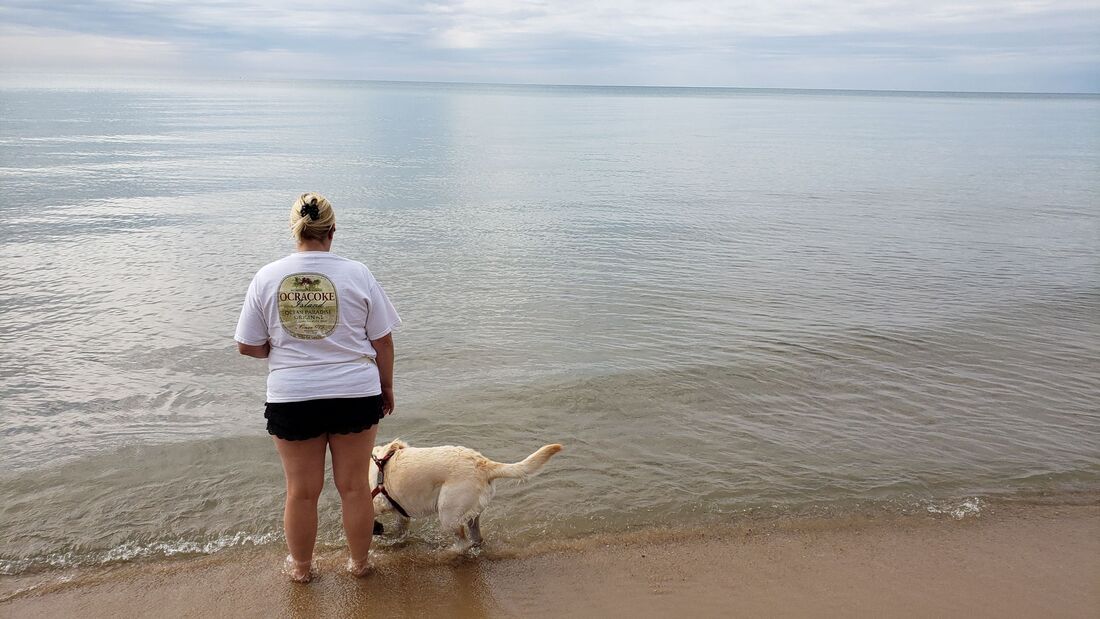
{"points": [[853, 43], [67, 52]]}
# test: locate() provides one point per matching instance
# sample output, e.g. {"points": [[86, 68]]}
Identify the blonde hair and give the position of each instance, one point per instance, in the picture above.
{"points": [[305, 224]]}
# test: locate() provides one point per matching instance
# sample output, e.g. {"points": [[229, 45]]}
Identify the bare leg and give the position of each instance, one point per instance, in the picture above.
{"points": [[351, 471], [304, 467]]}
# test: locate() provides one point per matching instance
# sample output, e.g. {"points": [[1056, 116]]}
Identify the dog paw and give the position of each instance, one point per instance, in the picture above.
{"points": [[460, 552]]}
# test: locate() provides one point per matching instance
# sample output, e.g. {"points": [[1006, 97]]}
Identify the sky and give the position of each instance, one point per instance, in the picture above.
{"points": [[969, 45]]}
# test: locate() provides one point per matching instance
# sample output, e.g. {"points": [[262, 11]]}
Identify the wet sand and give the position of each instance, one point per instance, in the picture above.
{"points": [[1018, 562]]}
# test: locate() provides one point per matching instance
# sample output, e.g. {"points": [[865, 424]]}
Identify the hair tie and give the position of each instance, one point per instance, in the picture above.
{"points": [[311, 210]]}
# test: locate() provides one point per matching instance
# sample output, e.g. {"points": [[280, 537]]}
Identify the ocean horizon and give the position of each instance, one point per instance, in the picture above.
{"points": [[39, 80]]}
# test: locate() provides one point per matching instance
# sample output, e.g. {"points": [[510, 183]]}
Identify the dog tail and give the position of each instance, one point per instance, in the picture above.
{"points": [[530, 465]]}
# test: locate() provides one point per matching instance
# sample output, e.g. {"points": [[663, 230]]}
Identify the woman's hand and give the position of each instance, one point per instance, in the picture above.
{"points": [[387, 400], [383, 350]]}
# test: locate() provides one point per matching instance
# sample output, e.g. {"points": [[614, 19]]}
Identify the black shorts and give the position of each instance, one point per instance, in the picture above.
{"points": [[299, 421]]}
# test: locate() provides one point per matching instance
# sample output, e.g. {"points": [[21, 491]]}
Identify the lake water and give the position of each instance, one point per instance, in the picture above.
{"points": [[726, 304]]}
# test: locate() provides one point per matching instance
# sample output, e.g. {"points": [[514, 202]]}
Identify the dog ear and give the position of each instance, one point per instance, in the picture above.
{"points": [[396, 444]]}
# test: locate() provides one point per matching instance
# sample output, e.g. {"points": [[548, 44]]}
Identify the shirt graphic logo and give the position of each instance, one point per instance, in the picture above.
{"points": [[308, 307]]}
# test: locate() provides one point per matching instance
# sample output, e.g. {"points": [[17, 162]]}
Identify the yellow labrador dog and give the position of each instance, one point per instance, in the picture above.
{"points": [[454, 482]]}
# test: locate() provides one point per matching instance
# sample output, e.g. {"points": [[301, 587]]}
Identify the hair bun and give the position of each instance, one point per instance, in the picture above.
{"points": [[311, 210], [311, 217]]}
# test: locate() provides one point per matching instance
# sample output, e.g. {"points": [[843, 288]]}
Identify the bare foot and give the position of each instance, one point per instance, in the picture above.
{"points": [[298, 571], [359, 568]]}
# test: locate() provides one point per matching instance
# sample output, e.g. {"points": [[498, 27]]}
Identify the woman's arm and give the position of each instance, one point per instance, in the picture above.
{"points": [[383, 347], [259, 352]]}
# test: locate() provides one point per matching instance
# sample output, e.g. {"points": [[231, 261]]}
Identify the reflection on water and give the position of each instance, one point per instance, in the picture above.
{"points": [[717, 301]]}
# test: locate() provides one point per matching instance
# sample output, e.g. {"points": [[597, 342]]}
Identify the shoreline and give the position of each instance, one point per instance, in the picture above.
{"points": [[1013, 561]]}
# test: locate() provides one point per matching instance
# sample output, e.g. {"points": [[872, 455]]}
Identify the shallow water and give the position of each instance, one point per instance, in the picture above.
{"points": [[722, 302]]}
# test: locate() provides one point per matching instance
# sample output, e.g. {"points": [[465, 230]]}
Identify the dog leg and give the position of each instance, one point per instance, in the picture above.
{"points": [[455, 502], [474, 527], [462, 543], [402, 527]]}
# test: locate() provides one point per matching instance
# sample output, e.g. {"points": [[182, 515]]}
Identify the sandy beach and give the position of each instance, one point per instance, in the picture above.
{"points": [[1011, 562]]}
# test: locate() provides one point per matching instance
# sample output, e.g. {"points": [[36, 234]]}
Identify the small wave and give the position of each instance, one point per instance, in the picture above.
{"points": [[967, 508], [130, 551]]}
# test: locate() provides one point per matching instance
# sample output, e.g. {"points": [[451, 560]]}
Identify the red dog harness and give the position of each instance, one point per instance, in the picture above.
{"points": [[381, 487]]}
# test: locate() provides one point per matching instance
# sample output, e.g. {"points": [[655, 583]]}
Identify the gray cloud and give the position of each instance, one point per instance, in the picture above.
{"points": [[937, 44]]}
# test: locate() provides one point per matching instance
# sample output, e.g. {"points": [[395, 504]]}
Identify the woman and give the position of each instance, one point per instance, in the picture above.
{"points": [[323, 323]]}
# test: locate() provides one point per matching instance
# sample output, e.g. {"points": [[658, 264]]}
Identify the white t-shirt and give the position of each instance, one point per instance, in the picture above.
{"points": [[319, 311]]}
